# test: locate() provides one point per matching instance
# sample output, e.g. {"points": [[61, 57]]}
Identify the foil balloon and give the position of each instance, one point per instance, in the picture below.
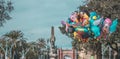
{"points": [[70, 22], [93, 14], [108, 21], [106, 25], [97, 22], [95, 30], [63, 22], [91, 22], [94, 17], [113, 26], [81, 29], [73, 17], [71, 29]]}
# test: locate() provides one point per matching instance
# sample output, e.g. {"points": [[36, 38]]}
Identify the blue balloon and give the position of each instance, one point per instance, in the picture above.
{"points": [[95, 30], [93, 14], [81, 29], [91, 22], [113, 26], [70, 22]]}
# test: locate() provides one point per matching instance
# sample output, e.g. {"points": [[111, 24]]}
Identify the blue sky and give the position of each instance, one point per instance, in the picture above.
{"points": [[35, 18]]}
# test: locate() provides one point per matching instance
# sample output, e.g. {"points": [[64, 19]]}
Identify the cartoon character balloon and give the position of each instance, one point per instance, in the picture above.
{"points": [[106, 25], [113, 26]]}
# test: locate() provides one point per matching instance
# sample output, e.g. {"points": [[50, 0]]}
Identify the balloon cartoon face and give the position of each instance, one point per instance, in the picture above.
{"points": [[94, 17], [107, 21], [107, 24], [73, 17], [106, 28]]}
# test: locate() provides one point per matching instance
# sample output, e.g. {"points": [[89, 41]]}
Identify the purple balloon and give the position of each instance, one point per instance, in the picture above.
{"points": [[63, 23]]}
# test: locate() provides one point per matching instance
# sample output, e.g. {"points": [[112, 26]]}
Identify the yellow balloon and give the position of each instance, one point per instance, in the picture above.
{"points": [[94, 17], [75, 34]]}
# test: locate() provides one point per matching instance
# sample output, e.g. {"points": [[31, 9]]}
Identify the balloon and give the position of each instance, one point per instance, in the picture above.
{"points": [[106, 25], [97, 22], [113, 26], [70, 22], [94, 17], [81, 29], [85, 16], [95, 30], [91, 22], [93, 14], [71, 29], [63, 22], [73, 17], [75, 34], [107, 21], [98, 17], [85, 19]]}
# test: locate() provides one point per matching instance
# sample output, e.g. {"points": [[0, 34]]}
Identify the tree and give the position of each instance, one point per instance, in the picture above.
{"points": [[5, 10], [33, 53], [41, 46], [10, 40]]}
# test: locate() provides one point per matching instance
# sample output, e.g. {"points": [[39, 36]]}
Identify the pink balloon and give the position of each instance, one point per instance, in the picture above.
{"points": [[107, 24], [108, 21], [73, 17]]}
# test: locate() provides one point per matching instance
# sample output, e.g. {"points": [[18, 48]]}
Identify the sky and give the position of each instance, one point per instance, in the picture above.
{"points": [[35, 18]]}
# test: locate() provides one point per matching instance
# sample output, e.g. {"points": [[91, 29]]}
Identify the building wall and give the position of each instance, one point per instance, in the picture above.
{"points": [[63, 53], [73, 54]]}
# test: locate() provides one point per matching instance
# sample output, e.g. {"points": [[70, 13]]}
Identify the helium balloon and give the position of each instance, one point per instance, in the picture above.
{"points": [[95, 30], [97, 22], [70, 22], [81, 29], [70, 29], [94, 17], [106, 25], [73, 17], [108, 21], [91, 22], [113, 26], [63, 22], [93, 14]]}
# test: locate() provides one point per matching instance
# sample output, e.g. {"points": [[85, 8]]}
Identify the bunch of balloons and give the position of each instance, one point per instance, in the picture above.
{"points": [[86, 26]]}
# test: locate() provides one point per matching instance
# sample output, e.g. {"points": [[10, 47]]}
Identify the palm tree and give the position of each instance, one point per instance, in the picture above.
{"points": [[14, 34], [41, 45], [5, 9], [33, 53], [12, 38]]}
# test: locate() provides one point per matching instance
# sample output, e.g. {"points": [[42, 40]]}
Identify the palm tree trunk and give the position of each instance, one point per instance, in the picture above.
{"points": [[115, 55]]}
